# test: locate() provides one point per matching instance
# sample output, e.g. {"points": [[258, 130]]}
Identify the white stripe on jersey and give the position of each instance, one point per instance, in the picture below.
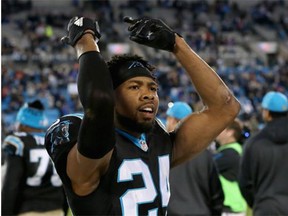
{"points": [[16, 142]]}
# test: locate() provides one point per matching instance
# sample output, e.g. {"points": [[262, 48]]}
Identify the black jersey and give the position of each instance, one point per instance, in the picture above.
{"points": [[31, 182], [137, 181]]}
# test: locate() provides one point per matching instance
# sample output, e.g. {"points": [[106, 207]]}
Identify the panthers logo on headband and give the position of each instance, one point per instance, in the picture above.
{"points": [[60, 135], [136, 64]]}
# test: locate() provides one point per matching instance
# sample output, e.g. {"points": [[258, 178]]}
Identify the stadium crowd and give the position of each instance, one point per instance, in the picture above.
{"points": [[36, 65]]}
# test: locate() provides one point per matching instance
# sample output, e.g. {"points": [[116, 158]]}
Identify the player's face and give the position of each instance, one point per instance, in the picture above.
{"points": [[136, 104]]}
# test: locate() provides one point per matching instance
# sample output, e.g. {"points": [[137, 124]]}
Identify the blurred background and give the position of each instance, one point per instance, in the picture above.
{"points": [[244, 41]]}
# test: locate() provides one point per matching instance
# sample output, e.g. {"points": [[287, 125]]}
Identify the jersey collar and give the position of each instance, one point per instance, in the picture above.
{"points": [[139, 142]]}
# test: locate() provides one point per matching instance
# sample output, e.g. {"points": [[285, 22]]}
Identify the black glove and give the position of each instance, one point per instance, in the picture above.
{"points": [[151, 32], [76, 29]]}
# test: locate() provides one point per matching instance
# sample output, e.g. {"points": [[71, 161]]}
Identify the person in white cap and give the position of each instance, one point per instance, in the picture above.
{"points": [[264, 165], [195, 186]]}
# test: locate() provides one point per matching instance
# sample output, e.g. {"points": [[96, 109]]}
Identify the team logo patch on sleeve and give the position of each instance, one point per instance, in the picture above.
{"points": [[60, 135]]}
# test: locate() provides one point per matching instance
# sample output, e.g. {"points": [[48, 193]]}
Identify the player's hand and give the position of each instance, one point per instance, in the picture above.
{"points": [[151, 32], [77, 27]]}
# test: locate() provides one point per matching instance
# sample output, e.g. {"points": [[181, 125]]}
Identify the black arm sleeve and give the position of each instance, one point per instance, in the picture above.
{"points": [[97, 134], [11, 184]]}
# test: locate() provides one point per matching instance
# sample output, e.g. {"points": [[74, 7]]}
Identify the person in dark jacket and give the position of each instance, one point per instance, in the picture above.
{"points": [[195, 185], [264, 166]]}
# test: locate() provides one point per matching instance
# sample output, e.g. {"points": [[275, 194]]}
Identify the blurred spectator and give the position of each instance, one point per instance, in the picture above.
{"points": [[195, 186], [36, 64], [227, 160], [263, 172]]}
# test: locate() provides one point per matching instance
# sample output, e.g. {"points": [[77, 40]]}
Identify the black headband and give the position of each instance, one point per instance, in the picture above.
{"points": [[129, 70]]}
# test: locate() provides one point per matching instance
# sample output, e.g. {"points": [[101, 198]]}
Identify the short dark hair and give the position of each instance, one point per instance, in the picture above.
{"points": [[275, 115], [237, 128]]}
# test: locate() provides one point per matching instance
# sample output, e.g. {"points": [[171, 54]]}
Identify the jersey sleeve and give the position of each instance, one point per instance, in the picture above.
{"points": [[13, 150], [13, 145], [60, 137]]}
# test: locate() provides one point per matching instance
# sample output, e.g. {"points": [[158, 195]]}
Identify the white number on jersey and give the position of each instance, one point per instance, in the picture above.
{"points": [[134, 197], [41, 156]]}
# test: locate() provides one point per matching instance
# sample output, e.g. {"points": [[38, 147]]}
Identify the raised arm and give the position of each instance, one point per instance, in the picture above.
{"points": [[221, 107], [198, 130], [89, 158]]}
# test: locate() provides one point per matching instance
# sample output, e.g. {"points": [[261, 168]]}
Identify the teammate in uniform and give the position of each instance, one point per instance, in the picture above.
{"points": [[115, 160], [31, 183]]}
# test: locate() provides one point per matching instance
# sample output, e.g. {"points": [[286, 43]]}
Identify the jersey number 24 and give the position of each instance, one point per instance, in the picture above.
{"points": [[134, 197]]}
